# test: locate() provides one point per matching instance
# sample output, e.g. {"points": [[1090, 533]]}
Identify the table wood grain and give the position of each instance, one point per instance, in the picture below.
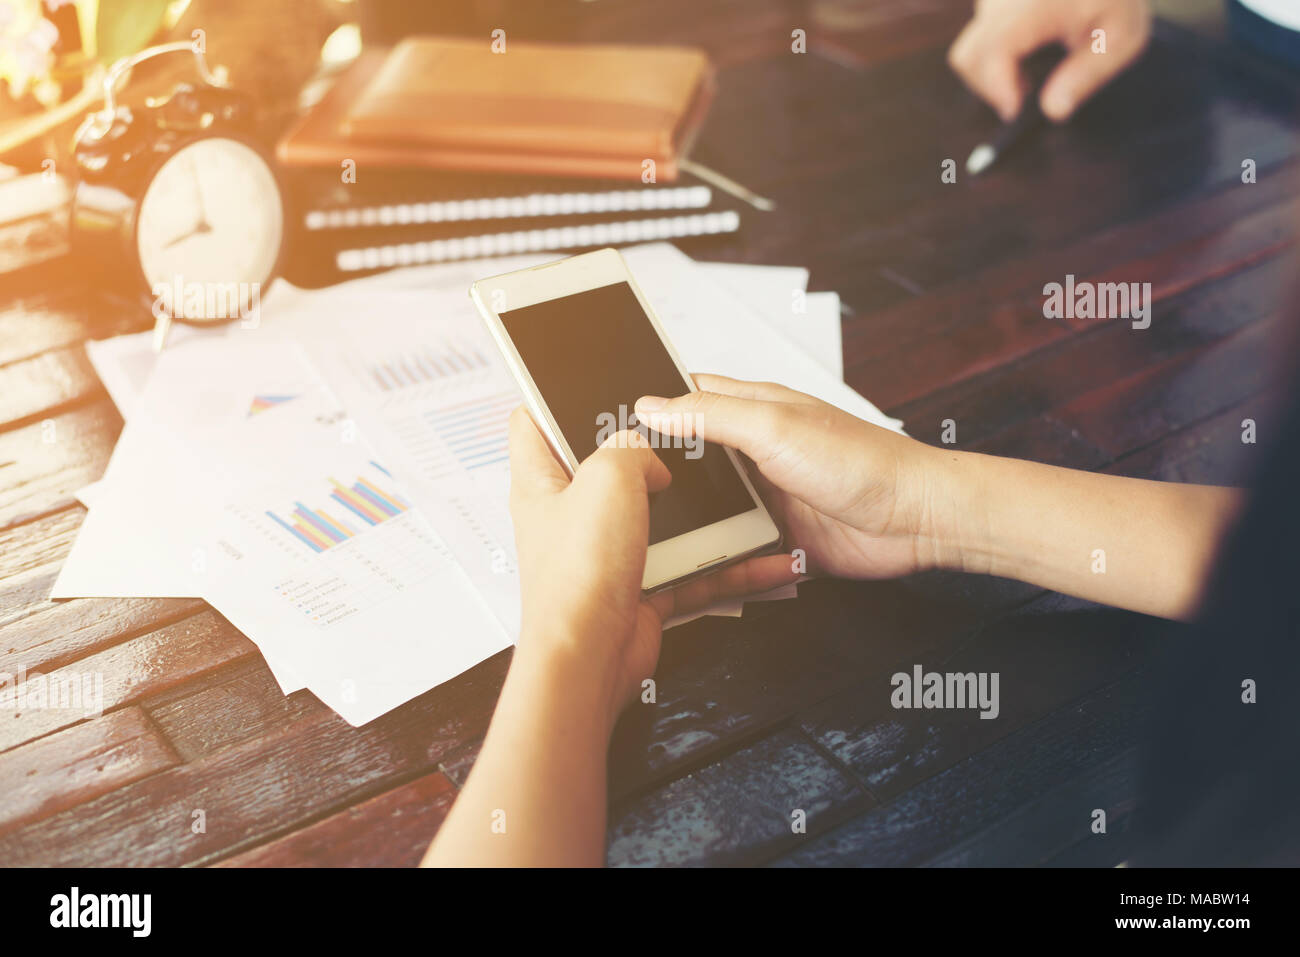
{"points": [[787, 708]]}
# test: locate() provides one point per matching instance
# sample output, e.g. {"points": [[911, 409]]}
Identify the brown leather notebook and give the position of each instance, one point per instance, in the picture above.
{"points": [[537, 109]]}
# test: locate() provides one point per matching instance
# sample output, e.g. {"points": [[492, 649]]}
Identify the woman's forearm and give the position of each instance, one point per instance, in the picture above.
{"points": [[536, 795], [537, 792], [1141, 545]]}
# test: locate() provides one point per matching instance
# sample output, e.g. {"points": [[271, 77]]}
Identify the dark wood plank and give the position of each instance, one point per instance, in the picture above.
{"points": [[291, 774], [1125, 415], [1161, 234], [1211, 452], [856, 204], [718, 681], [48, 307], [30, 558], [1059, 822], [222, 709], [722, 682], [33, 387], [728, 30], [391, 830], [460, 762], [725, 681], [79, 764], [1011, 394], [747, 806], [1047, 653], [43, 466], [863, 35], [989, 786], [135, 668], [998, 319], [68, 630]]}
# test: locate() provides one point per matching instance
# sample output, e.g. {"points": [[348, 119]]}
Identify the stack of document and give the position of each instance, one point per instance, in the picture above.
{"points": [[333, 478]]}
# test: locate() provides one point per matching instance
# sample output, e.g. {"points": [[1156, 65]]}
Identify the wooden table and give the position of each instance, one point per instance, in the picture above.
{"points": [[788, 708]]}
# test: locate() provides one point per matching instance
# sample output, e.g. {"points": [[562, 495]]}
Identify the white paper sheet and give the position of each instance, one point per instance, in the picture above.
{"points": [[811, 320], [714, 333], [228, 440], [407, 356], [283, 675], [443, 433]]}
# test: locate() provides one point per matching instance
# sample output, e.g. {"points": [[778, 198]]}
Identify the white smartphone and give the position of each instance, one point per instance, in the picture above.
{"points": [[584, 344]]}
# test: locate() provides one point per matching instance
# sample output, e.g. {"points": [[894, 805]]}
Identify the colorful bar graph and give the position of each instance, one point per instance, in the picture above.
{"points": [[317, 539], [293, 530], [343, 529], [390, 506], [320, 529], [357, 503], [320, 522], [358, 508], [374, 500]]}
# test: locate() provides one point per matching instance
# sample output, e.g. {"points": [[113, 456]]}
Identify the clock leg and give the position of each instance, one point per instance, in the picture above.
{"points": [[160, 330]]}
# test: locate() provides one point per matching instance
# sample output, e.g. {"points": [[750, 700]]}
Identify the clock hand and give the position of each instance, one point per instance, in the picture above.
{"points": [[200, 227], [198, 192]]}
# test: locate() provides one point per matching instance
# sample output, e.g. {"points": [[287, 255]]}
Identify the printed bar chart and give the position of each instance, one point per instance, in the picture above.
{"points": [[366, 499], [476, 432], [426, 364]]}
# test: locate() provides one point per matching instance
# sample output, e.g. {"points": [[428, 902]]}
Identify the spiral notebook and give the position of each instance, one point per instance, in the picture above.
{"points": [[412, 217]]}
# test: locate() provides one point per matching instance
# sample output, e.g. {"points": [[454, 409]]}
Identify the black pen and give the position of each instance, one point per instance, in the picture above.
{"points": [[1036, 69], [986, 154]]}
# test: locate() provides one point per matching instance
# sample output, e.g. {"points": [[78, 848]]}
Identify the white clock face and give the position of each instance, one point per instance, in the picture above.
{"points": [[211, 215]]}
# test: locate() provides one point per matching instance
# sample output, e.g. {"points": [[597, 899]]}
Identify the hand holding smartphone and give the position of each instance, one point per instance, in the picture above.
{"points": [[583, 343]]}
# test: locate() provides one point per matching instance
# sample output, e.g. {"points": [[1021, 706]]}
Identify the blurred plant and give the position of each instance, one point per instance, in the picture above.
{"points": [[27, 41], [53, 52], [123, 27], [45, 43]]}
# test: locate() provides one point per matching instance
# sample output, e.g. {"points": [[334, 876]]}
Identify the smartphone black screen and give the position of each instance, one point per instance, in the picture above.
{"points": [[592, 355]]}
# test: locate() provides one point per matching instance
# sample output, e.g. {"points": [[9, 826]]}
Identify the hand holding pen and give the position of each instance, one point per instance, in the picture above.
{"points": [[1100, 38]]}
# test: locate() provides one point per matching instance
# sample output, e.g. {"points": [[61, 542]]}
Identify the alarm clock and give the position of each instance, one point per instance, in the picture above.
{"points": [[177, 204]]}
